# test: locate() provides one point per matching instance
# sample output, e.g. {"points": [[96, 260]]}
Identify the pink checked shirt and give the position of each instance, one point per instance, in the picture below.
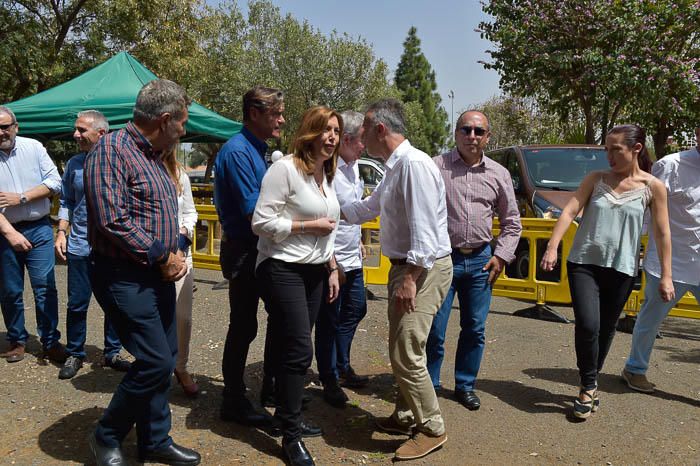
{"points": [[474, 195]]}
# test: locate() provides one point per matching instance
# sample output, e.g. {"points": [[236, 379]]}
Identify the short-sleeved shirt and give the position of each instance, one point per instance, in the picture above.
{"points": [[27, 166], [239, 169]]}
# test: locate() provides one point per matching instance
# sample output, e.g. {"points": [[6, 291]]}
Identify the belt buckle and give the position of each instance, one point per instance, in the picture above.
{"points": [[466, 251]]}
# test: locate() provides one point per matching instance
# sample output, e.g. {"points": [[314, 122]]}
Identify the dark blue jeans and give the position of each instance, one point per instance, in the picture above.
{"points": [[470, 282], [39, 262], [79, 293], [141, 307], [336, 326]]}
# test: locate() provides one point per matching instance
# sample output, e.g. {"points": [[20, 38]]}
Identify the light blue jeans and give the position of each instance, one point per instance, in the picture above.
{"points": [[653, 312]]}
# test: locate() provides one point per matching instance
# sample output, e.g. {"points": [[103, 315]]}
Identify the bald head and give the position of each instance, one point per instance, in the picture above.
{"points": [[465, 116]]}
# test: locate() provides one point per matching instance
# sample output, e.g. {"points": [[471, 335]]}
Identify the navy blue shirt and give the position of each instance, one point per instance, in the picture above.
{"points": [[240, 166], [72, 205]]}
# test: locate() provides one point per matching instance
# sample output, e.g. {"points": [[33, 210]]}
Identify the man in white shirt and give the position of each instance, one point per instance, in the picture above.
{"points": [[337, 322], [28, 178], [680, 173], [411, 201]]}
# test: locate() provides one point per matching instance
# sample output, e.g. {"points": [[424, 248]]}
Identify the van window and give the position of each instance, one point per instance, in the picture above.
{"points": [[498, 156], [513, 167], [563, 168]]}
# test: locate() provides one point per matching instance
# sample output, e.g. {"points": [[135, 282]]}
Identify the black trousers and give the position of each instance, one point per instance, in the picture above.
{"points": [[598, 296], [293, 297], [238, 266], [141, 308]]}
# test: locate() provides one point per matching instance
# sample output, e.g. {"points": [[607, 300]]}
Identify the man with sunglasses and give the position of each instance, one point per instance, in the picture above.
{"points": [[476, 188], [28, 177]]}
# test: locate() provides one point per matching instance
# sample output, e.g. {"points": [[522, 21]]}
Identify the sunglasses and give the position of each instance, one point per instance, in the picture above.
{"points": [[8, 126], [478, 130]]}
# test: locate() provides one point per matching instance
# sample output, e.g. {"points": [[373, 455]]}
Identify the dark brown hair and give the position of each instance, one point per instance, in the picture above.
{"points": [[634, 134]]}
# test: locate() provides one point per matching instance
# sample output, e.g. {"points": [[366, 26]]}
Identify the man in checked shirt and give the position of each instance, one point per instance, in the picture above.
{"points": [[135, 262], [476, 187]]}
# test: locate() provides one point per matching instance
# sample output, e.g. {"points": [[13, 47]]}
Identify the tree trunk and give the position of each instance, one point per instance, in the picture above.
{"points": [[660, 138], [590, 126]]}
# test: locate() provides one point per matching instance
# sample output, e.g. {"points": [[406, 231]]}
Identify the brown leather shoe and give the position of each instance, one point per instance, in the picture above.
{"points": [[15, 353], [57, 353], [419, 445]]}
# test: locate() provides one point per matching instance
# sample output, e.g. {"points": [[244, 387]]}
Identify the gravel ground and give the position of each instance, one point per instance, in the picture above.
{"points": [[527, 382]]}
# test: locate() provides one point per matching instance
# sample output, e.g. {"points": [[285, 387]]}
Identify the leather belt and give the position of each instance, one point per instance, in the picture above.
{"points": [[468, 251]]}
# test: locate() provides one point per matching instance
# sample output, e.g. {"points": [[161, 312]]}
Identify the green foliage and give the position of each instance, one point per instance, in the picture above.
{"points": [[603, 58], [415, 79]]}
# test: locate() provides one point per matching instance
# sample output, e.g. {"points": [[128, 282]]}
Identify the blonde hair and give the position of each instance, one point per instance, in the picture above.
{"points": [[313, 123], [173, 167]]}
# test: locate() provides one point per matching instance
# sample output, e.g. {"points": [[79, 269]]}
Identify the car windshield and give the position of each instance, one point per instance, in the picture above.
{"points": [[563, 168]]}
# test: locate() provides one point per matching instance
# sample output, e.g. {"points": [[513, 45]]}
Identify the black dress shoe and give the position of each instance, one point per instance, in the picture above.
{"points": [[241, 411], [307, 430], [334, 395], [297, 454], [468, 399], [351, 380], [104, 455], [174, 455]]}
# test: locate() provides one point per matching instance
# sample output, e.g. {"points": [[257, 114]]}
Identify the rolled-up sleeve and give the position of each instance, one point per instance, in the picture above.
{"points": [[268, 218], [66, 203], [49, 173], [188, 215]]}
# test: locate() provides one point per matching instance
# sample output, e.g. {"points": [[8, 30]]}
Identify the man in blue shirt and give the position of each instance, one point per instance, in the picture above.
{"points": [[240, 167], [28, 177], [74, 249]]}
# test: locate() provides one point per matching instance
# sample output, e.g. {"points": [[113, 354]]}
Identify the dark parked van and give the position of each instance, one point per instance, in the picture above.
{"points": [[545, 178]]}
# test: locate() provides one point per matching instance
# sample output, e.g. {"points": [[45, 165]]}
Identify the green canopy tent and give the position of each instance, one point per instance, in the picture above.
{"points": [[111, 88]]}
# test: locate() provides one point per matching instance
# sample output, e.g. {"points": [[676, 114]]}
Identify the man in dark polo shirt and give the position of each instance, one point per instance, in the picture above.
{"points": [[240, 167], [133, 234]]}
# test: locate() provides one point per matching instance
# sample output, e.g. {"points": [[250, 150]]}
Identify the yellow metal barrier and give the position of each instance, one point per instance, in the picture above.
{"points": [[550, 288]]}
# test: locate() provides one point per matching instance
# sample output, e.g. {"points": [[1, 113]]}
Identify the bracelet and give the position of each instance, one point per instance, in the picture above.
{"points": [[61, 230], [301, 224], [332, 269]]}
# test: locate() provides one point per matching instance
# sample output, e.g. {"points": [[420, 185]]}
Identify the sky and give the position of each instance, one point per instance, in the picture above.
{"points": [[446, 29]]}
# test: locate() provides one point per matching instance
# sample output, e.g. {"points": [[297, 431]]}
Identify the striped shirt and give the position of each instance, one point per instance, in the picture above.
{"points": [[131, 200], [474, 194]]}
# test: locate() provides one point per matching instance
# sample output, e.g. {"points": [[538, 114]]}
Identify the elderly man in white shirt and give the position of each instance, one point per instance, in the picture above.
{"points": [[680, 173], [411, 201], [338, 321]]}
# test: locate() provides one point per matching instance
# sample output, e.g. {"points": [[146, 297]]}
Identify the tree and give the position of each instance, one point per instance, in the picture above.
{"points": [[415, 79], [603, 58]]}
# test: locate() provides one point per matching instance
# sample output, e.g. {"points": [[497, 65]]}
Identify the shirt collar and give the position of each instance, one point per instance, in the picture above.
{"points": [[259, 144], [139, 139], [455, 157], [401, 150]]}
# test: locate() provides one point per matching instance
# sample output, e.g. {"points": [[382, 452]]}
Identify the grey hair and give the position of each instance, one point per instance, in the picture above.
{"points": [[488, 123], [352, 122], [389, 112], [7, 111], [158, 97], [99, 121]]}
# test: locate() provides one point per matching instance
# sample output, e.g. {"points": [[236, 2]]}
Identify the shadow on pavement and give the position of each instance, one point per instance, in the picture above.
{"points": [[606, 382], [526, 398]]}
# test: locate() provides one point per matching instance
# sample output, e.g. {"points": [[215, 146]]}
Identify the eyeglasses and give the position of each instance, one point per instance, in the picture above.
{"points": [[8, 126], [478, 130]]}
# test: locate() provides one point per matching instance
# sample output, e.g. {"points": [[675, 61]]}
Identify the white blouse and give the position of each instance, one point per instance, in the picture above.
{"points": [[186, 211], [286, 195]]}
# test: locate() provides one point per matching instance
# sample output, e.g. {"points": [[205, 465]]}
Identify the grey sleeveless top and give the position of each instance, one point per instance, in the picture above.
{"points": [[610, 233]]}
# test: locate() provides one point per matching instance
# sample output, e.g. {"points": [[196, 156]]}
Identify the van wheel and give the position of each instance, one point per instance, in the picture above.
{"points": [[522, 264]]}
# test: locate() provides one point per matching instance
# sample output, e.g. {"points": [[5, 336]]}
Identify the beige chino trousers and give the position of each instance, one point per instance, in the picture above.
{"points": [[408, 334]]}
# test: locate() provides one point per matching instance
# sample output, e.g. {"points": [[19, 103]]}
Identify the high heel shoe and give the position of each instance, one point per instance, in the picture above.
{"points": [[191, 390]]}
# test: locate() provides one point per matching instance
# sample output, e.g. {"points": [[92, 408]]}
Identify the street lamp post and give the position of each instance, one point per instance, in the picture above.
{"points": [[451, 95]]}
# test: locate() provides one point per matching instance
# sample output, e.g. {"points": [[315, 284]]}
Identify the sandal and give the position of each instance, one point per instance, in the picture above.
{"points": [[583, 409]]}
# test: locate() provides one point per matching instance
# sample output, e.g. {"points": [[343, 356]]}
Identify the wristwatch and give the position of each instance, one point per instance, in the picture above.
{"points": [[22, 199]]}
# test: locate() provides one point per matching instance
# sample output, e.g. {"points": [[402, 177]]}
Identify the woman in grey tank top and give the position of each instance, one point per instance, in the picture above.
{"points": [[603, 260]]}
